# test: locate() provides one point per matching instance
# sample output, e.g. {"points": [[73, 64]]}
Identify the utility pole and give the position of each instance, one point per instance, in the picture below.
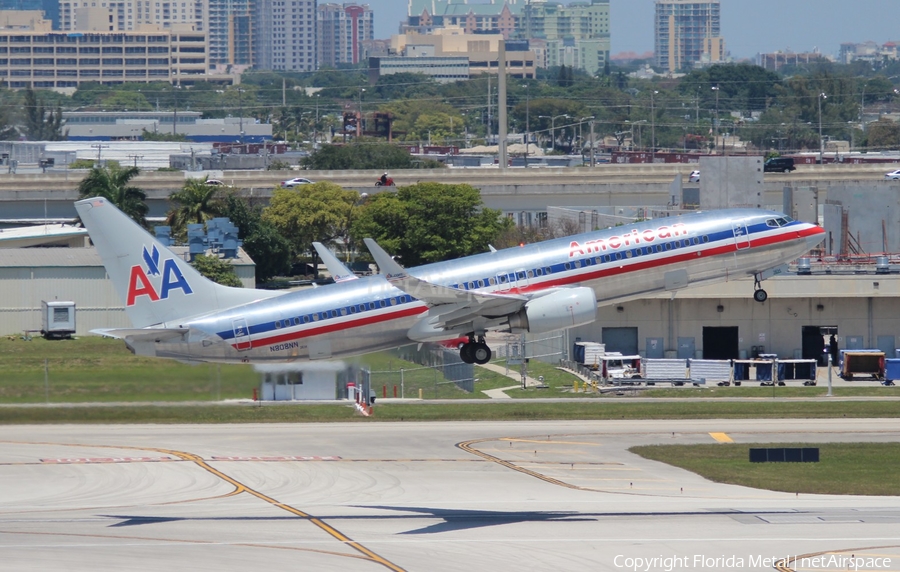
{"points": [[241, 115], [283, 94], [716, 133], [652, 127], [489, 117], [501, 104], [99, 147], [527, 119], [821, 144], [591, 123]]}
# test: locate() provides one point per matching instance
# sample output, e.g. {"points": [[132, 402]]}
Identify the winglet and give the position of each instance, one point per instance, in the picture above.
{"points": [[491, 246], [387, 265], [338, 271]]}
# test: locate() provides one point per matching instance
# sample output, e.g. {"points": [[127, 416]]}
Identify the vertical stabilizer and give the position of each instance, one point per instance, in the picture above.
{"points": [[155, 284]]}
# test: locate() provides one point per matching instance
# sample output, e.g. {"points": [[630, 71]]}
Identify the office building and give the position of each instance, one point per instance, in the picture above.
{"points": [[35, 56], [482, 50], [687, 34], [284, 35], [341, 31]]}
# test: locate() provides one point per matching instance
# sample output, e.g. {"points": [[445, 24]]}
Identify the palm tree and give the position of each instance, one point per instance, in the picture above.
{"points": [[111, 182], [195, 203]]}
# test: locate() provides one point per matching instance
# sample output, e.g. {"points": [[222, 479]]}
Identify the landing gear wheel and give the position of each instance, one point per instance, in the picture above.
{"points": [[760, 295], [466, 353], [481, 353]]}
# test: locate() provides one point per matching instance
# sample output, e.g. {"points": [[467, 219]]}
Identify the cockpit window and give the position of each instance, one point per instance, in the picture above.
{"points": [[780, 221]]}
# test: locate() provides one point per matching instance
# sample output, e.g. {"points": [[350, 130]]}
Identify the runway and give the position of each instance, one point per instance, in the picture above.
{"points": [[463, 496]]}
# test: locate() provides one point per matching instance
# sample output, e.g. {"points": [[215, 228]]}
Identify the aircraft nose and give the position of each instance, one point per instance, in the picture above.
{"points": [[814, 239]]}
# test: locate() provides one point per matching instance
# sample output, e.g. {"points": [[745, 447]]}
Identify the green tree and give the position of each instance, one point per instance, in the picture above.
{"points": [[112, 183], [883, 134], [195, 203], [430, 222], [162, 136], [40, 124], [261, 240], [360, 156], [320, 212], [126, 101], [217, 270]]}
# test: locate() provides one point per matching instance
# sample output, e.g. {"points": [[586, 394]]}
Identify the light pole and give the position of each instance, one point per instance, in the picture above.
{"points": [[359, 121], [553, 127], [821, 146], [581, 121], [715, 88], [241, 115], [316, 126], [652, 127]]}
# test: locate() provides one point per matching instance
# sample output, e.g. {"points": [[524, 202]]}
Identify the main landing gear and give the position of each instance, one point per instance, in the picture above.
{"points": [[475, 351], [759, 294]]}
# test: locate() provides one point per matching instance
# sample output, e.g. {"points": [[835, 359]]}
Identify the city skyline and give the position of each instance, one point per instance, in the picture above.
{"points": [[749, 28]]}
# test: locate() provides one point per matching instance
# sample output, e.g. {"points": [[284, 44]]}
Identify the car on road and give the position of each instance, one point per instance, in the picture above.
{"points": [[779, 165], [694, 177], [294, 182], [214, 182], [893, 175]]}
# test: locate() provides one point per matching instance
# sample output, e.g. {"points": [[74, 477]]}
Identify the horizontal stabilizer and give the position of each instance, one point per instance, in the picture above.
{"points": [[142, 333]]}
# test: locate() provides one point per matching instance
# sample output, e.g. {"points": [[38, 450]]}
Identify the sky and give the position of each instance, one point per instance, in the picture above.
{"points": [[748, 26]]}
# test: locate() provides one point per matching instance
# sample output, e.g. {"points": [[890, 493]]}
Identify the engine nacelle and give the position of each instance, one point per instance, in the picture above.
{"points": [[557, 311]]}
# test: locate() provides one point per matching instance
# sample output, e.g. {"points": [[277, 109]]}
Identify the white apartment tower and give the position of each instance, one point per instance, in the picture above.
{"points": [[687, 32], [284, 35]]}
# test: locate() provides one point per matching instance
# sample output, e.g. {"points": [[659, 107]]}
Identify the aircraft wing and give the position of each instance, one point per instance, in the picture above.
{"points": [[449, 305], [338, 271]]}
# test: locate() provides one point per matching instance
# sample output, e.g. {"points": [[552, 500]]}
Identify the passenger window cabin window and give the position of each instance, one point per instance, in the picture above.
{"points": [[705, 239], [530, 274], [343, 311], [277, 324], [305, 319], [520, 274]]}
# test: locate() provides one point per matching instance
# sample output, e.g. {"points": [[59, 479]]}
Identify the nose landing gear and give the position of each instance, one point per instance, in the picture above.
{"points": [[759, 294]]}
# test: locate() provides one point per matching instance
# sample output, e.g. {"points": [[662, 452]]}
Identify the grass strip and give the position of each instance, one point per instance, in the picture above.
{"points": [[843, 469], [423, 411]]}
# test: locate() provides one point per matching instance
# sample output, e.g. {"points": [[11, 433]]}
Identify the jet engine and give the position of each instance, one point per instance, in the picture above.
{"points": [[556, 311]]}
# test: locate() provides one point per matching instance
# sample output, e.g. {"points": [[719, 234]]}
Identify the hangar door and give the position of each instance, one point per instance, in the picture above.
{"points": [[624, 340], [720, 342]]}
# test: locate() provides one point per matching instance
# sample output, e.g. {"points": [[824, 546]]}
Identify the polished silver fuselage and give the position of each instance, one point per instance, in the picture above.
{"points": [[618, 264]]}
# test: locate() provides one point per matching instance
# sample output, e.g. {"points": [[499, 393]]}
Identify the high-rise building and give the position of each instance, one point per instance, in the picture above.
{"points": [[230, 33], [574, 35], [341, 30], [687, 33], [284, 35], [49, 7], [127, 15]]}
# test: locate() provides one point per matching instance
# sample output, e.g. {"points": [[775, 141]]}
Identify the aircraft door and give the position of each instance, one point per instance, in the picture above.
{"points": [[241, 334], [741, 236], [521, 279]]}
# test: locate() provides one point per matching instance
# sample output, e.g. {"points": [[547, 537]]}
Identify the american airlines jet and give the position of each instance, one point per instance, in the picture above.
{"points": [[552, 285]]}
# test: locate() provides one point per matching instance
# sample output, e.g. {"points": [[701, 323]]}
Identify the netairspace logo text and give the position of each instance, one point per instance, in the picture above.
{"points": [[722, 562]]}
